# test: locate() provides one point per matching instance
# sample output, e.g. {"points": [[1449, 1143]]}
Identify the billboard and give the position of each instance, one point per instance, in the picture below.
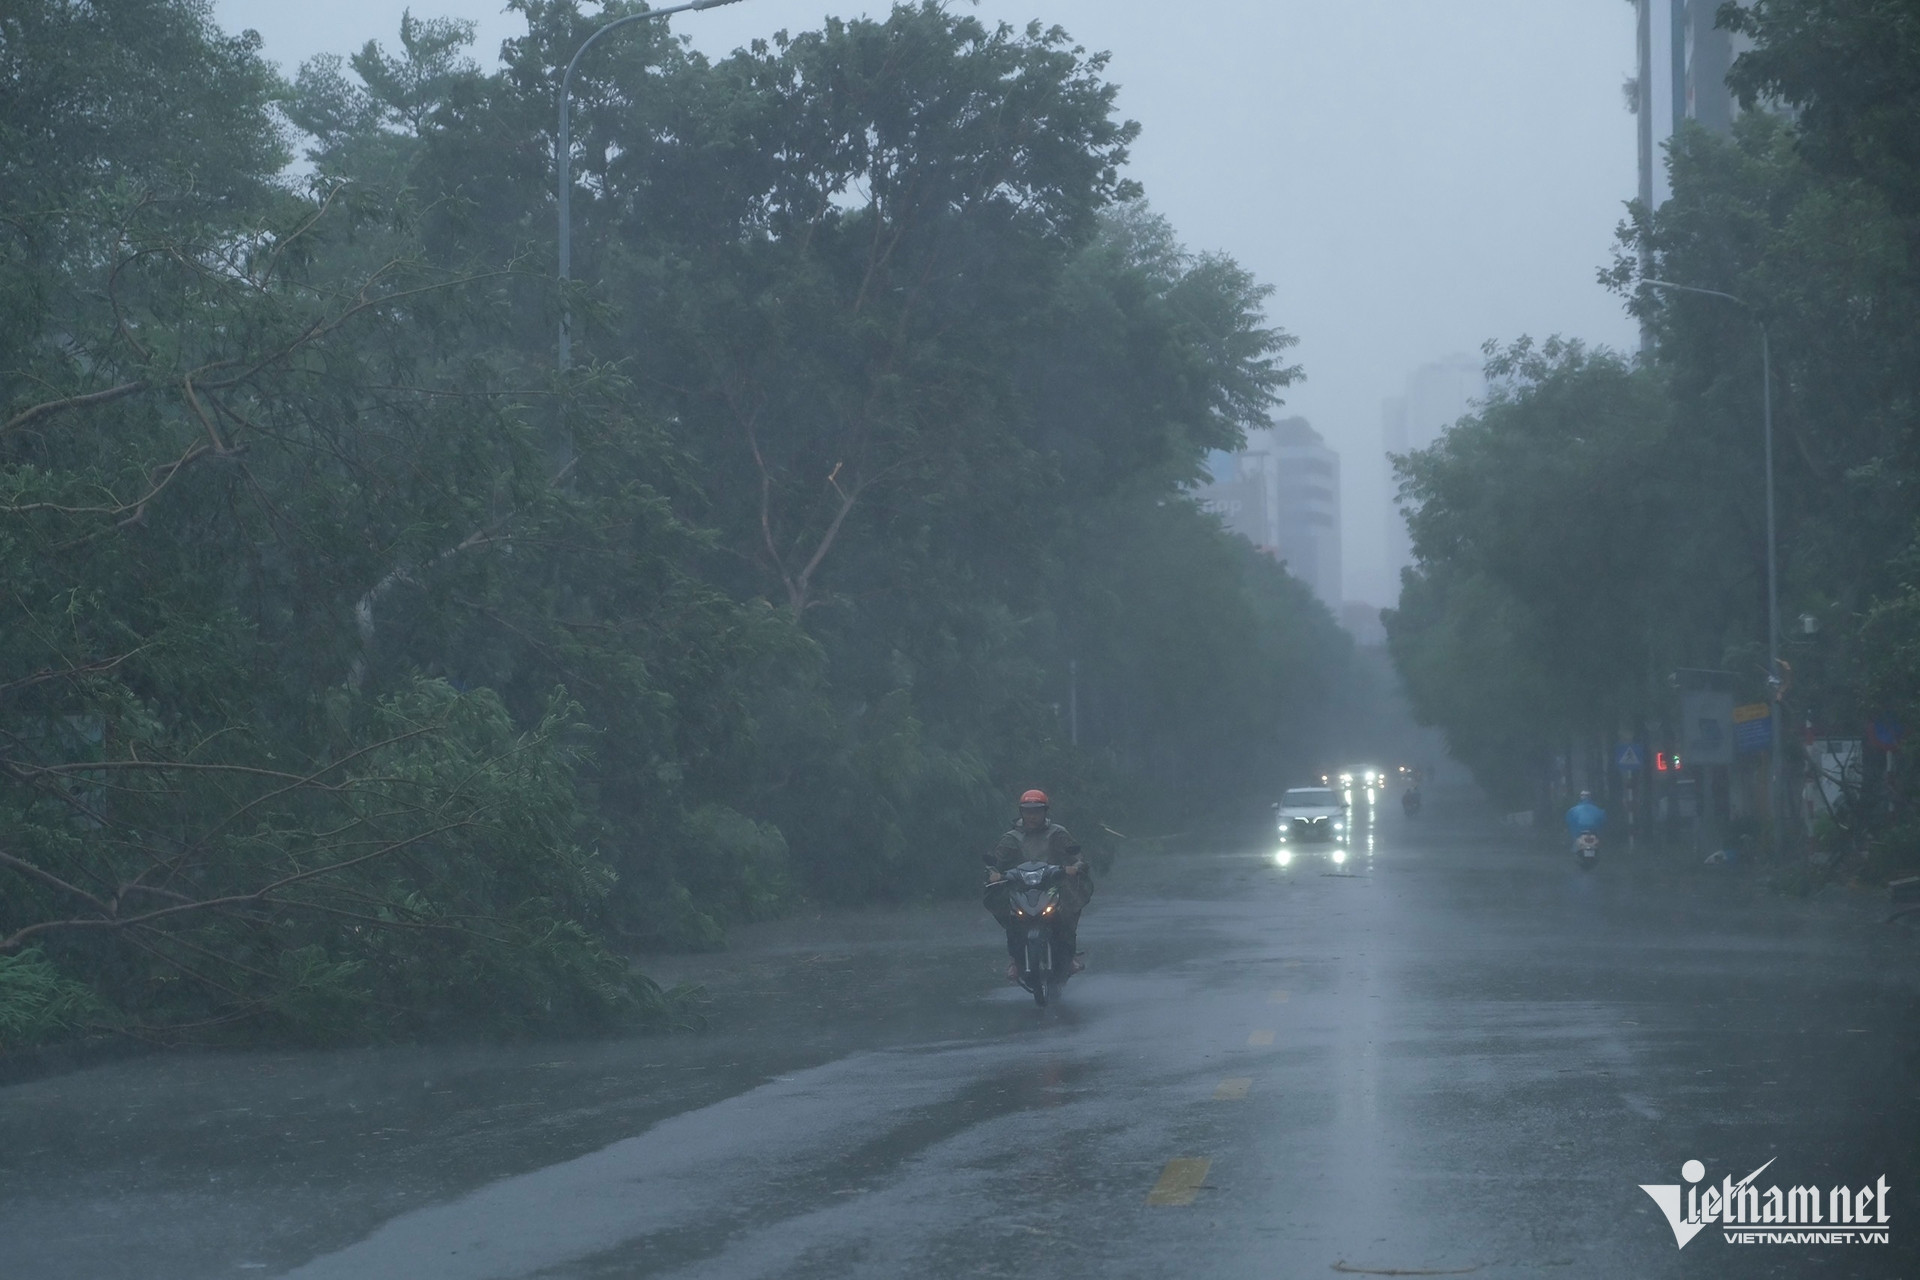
{"points": [[1706, 727], [1752, 728]]}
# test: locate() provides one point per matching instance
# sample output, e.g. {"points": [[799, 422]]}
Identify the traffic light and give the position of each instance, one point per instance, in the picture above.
{"points": [[1666, 762]]}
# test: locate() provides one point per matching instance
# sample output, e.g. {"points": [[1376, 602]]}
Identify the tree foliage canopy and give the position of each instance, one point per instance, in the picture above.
{"points": [[1611, 514], [363, 674]]}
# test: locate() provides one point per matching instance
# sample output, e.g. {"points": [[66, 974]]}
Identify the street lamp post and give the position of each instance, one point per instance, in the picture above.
{"points": [[563, 158], [1776, 784]]}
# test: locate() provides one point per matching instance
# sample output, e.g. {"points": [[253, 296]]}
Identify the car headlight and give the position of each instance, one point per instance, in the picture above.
{"points": [[1283, 857], [1339, 855]]}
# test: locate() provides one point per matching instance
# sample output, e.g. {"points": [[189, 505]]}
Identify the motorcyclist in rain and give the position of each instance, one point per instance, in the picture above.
{"points": [[1036, 838], [1584, 817]]}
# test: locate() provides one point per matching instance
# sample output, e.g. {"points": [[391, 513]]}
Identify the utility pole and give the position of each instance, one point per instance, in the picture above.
{"points": [[1777, 789], [1643, 118], [1073, 701], [1776, 778]]}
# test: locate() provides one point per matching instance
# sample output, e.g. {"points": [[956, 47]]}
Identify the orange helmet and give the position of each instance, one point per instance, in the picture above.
{"points": [[1034, 800]]}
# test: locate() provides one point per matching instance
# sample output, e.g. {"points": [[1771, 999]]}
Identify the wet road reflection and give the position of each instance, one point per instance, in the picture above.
{"points": [[1447, 1053]]}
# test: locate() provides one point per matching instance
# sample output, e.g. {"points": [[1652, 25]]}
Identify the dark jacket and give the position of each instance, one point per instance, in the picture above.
{"points": [[1050, 844]]}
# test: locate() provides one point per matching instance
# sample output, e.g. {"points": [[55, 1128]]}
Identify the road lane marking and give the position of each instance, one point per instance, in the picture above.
{"points": [[1260, 1037], [1232, 1089], [1280, 997], [1342, 1267], [1180, 1181]]}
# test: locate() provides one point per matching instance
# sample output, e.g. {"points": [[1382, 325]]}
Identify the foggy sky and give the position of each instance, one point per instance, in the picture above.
{"points": [[1413, 177]]}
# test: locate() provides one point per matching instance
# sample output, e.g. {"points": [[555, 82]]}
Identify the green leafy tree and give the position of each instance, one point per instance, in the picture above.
{"points": [[226, 447], [360, 675], [1545, 592], [1808, 218]]}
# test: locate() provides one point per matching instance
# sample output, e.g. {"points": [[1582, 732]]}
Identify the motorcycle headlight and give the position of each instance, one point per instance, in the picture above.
{"points": [[1339, 855], [1283, 857], [1048, 909]]}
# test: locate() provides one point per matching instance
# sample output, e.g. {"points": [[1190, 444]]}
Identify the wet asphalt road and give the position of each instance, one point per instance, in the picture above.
{"points": [[1454, 1054]]}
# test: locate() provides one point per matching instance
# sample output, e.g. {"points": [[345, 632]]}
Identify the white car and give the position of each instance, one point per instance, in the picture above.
{"points": [[1311, 819]]}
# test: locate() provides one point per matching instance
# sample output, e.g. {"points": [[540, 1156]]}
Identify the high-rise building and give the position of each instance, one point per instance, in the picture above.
{"points": [[1307, 477], [1684, 60], [1436, 396], [1282, 494], [1701, 55]]}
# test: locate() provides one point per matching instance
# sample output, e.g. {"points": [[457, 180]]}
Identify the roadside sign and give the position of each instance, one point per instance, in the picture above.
{"points": [[1707, 727], [1752, 727], [1629, 758], [1887, 733]]}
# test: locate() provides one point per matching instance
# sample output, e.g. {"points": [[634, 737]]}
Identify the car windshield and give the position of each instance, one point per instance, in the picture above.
{"points": [[1308, 796]]}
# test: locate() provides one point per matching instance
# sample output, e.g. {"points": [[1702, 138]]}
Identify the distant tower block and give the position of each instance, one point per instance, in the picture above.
{"points": [[1437, 395], [1687, 60], [1282, 494]]}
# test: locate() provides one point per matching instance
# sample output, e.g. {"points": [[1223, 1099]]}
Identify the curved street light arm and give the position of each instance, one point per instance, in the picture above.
{"points": [[563, 154], [1688, 288]]}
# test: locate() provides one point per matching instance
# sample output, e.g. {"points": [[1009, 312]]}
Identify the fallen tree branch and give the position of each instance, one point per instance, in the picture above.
{"points": [[260, 896]]}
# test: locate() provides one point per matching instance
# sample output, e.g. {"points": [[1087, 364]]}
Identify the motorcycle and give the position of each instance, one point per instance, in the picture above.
{"points": [[1587, 850], [1033, 912]]}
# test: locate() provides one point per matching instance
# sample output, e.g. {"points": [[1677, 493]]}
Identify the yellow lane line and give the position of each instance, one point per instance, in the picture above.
{"points": [[1232, 1089], [1180, 1181], [1260, 1037], [1280, 997]]}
